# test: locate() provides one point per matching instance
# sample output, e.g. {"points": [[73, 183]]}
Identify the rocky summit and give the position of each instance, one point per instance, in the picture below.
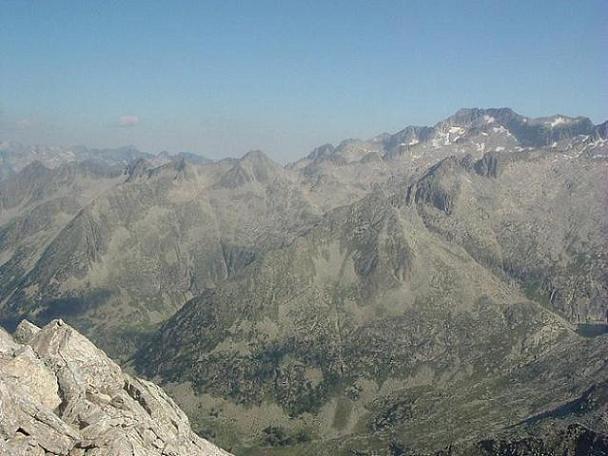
{"points": [[438, 290], [60, 395]]}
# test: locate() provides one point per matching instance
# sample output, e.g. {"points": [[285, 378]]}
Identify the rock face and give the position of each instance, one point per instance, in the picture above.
{"points": [[60, 395]]}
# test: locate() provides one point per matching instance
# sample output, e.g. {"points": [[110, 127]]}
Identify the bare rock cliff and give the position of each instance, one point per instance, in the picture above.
{"points": [[61, 395]]}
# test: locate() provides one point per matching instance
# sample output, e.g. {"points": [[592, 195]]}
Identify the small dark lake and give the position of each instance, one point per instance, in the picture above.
{"points": [[592, 329]]}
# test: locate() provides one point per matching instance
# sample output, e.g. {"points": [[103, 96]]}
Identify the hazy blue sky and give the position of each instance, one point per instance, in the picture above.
{"points": [[222, 77]]}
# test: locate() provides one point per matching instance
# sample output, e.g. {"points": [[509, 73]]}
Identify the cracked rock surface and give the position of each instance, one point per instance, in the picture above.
{"points": [[61, 395]]}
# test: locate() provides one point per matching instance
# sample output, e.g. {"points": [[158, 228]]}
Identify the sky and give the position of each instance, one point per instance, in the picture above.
{"points": [[223, 77]]}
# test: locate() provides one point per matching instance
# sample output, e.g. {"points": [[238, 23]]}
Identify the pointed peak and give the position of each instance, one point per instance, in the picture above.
{"points": [[255, 156], [259, 165], [321, 152], [25, 332]]}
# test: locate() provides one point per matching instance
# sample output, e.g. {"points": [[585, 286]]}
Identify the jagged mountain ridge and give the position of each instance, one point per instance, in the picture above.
{"points": [[169, 232], [467, 125], [15, 156], [408, 289], [372, 234], [60, 395], [359, 165], [257, 202]]}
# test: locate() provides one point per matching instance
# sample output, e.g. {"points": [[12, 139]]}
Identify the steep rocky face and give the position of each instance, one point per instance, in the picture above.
{"points": [[537, 217], [60, 395], [36, 205]]}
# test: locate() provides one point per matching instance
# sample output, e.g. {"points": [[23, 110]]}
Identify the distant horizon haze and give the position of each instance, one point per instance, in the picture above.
{"points": [[221, 78]]}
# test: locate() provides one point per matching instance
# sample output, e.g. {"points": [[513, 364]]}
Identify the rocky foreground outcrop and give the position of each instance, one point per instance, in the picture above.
{"points": [[61, 395]]}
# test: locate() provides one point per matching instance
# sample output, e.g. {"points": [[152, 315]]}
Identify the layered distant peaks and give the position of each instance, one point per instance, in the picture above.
{"points": [[254, 166], [14, 156]]}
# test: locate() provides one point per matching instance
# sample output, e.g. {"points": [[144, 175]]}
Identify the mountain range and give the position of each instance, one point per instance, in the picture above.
{"points": [[440, 290], [15, 156]]}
